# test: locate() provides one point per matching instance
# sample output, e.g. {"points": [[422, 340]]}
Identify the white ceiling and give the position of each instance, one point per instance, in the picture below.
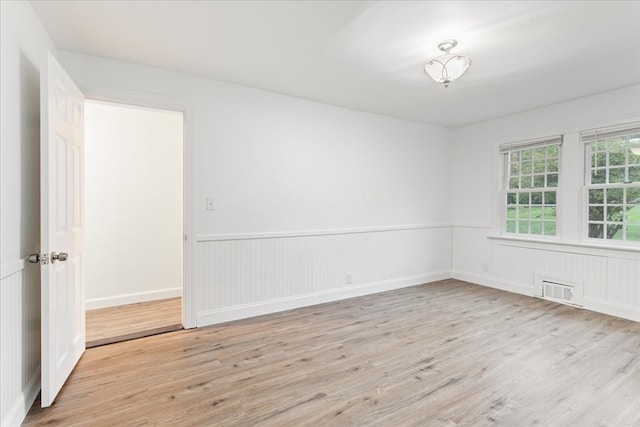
{"points": [[370, 55]]}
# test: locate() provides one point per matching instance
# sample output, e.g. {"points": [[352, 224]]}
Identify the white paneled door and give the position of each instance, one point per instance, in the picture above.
{"points": [[62, 227]]}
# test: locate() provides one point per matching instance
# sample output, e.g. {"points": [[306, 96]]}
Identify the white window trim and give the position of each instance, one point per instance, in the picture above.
{"points": [[586, 138], [503, 175]]}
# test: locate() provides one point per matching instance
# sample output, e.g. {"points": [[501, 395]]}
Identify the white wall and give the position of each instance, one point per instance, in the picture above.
{"points": [[295, 183], [133, 204], [610, 277], [24, 45]]}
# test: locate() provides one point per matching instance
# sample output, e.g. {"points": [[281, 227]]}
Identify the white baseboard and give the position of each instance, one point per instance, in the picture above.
{"points": [[281, 304], [21, 406], [492, 283], [593, 304], [92, 304], [612, 309]]}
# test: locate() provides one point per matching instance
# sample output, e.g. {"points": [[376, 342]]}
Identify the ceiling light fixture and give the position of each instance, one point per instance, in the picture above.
{"points": [[448, 67]]}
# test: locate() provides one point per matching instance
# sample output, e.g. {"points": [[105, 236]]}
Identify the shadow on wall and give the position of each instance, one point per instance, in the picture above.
{"points": [[29, 157], [30, 208]]}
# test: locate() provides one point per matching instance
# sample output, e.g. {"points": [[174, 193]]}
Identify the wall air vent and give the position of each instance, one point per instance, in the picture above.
{"points": [[563, 291], [557, 291]]}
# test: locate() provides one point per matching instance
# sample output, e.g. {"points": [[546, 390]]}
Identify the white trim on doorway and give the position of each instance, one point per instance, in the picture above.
{"points": [[144, 99]]}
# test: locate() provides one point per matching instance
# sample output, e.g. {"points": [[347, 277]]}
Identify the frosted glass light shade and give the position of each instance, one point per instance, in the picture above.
{"points": [[447, 68]]}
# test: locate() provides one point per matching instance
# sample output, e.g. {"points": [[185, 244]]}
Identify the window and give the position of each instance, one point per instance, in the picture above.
{"points": [[612, 183], [531, 186]]}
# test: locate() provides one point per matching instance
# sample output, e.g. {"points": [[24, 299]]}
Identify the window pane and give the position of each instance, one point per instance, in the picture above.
{"points": [[617, 158], [538, 181], [538, 153], [549, 213], [538, 166], [616, 175], [614, 231], [536, 227], [617, 144], [596, 231], [633, 214], [536, 198], [598, 160], [614, 209], [634, 173], [614, 213], [614, 195], [598, 176], [531, 212], [596, 213], [523, 227], [549, 197], [633, 196], [633, 233], [599, 145], [536, 212], [596, 196], [550, 228]]}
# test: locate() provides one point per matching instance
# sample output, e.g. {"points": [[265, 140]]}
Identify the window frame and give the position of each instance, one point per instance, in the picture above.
{"points": [[505, 151], [587, 138]]}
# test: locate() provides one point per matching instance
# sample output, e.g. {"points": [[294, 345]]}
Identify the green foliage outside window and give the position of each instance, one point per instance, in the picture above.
{"points": [[614, 189], [532, 180]]}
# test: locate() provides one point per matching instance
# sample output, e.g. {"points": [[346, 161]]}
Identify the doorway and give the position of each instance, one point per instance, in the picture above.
{"points": [[134, 172]]}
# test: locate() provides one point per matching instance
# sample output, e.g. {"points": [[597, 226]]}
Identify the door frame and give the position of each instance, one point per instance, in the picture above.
{"points": [[144, 99]]}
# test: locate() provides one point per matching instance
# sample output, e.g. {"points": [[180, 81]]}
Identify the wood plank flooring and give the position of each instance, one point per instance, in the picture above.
{"points": [[131, 321], [442, 354]]}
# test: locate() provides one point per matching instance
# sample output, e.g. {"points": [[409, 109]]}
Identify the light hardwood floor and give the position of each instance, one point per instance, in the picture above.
{"points": [[131, 321], [442, 354]]}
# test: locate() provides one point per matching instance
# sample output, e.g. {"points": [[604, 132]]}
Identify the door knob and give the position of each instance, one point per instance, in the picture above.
{"points": [[62, 256], [34, 258]]}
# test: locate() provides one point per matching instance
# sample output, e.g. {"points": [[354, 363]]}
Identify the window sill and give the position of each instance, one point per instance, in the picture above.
{"points": [[623, 251]]}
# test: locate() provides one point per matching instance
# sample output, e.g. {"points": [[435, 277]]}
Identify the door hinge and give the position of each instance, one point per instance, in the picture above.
{"points": [[39, 258]]}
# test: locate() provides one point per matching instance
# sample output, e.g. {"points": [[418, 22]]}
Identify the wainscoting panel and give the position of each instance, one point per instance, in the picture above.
{"points": [[471, 249], [610, 278], [517, 264], [19, 341], [623, 280], [250, 276]]}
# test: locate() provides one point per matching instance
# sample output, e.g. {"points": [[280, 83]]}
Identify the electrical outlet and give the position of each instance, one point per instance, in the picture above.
{"points": [[485, 267], [349, 279], [211, 205]]}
